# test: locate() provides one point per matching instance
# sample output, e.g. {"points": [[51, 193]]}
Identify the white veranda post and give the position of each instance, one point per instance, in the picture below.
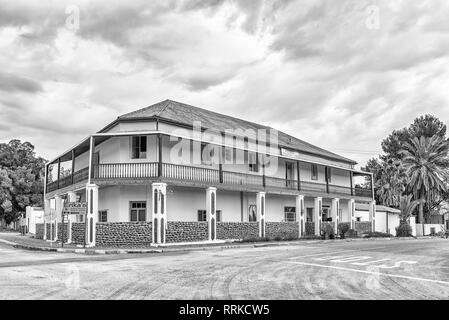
{"points": [[300, 214], [159, 210], [71, 197], [92, 213], [211, 211], [58, 213], [335, 212], [317, 214], [351, 209], [260, 198]]}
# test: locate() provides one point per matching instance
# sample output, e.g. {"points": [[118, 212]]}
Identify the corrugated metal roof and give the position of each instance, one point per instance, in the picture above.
{"points": [[187, 114], [365, 207]]}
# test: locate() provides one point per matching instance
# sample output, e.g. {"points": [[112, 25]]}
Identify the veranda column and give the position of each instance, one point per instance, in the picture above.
{"points": [[335, 209], [300, 214], [71, 195], [46, 214], [92, 213], [57, 218], [260, 207], [159, 209], [318, 205], [211, 210], [372, 215], [351, 210]]}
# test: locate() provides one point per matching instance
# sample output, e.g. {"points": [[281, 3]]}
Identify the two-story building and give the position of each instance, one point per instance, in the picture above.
{"points": [[172, 172]]}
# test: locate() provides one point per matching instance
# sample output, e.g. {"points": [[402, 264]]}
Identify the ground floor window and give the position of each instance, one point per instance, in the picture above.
{"points": [[202, 215], [218, 215], [138, 210], [252, 213], [103, 216], [79, 218], [290, 214]]}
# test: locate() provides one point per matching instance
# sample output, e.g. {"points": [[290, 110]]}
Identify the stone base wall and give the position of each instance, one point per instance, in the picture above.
{"points": [[60, 233], [237, 230], [181, 231], [281, 230], [123, 233], [362, 227], [39, 231], [310, 228], [50, 228], [78, 232]]}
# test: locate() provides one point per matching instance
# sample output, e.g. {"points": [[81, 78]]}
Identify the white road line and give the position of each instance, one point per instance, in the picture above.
{"points": [[332, 253], [369, 262], [369, 272]]}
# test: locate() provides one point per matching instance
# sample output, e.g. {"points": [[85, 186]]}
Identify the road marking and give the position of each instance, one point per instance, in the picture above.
{"points": [[333, 253], [369, 262], [397, 264], [370, 272], [350, 259]]}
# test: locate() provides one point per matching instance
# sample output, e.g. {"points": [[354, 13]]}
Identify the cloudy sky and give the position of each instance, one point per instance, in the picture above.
{"points": [[339, 74]]}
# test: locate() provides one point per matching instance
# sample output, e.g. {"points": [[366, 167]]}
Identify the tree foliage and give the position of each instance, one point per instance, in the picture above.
{"points": [[21, 179], [396, 171]]}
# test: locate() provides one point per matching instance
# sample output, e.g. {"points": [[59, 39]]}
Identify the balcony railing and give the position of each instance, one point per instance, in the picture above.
{"points": [[126, 170], [181, 172], [242, 179], [66, 181], [149, 170]]}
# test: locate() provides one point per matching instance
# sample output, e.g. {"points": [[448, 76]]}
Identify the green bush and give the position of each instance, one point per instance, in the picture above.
{"points": [[377, 234], [327, 230], [343, 228], [404, 230]]}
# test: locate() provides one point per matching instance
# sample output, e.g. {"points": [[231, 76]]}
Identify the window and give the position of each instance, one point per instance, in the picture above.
{"points": [[218, 215], [252, 213], [103, 216], [252, 162], [314, 172], [329, 174], [207, 154], [358, 219], [202, 216], [139, 147], [290, 214], [309, 217], [138, 211]]}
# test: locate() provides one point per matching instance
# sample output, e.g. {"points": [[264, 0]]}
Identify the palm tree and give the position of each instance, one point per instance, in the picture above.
{"points": [[390, 183], [407, 207], [426, 163]]}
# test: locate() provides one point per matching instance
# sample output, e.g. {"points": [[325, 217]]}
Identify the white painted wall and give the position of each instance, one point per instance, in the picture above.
{"points": [[33, 215]]}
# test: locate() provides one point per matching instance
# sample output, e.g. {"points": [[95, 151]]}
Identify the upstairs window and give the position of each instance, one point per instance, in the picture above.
{"points": [[252, 162], [138, 211], [314, 172], [329, 174], [138, 147]]}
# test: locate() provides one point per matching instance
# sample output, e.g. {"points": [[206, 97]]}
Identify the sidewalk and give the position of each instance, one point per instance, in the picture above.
{"points": [[28, 243]]}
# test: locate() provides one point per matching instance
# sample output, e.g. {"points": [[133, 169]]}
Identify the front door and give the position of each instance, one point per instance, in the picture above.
{"points": [[326, 214]]}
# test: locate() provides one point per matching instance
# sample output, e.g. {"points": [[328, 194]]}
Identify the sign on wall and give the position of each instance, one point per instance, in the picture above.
{"points": [[75, 208]]}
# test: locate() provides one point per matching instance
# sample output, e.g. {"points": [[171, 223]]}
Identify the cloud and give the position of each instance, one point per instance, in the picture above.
{"points": [[314, 69], [12, 83]]}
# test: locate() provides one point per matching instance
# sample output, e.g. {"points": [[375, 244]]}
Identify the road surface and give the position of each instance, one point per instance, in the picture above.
{"points": [[394, 269]]}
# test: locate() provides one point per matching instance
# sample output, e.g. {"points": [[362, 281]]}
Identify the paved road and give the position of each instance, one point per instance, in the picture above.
{"points": [[396, 269]]}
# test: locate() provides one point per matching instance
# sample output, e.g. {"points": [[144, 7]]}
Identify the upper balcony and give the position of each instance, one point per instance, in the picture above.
{"points": [[146, 172]]}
